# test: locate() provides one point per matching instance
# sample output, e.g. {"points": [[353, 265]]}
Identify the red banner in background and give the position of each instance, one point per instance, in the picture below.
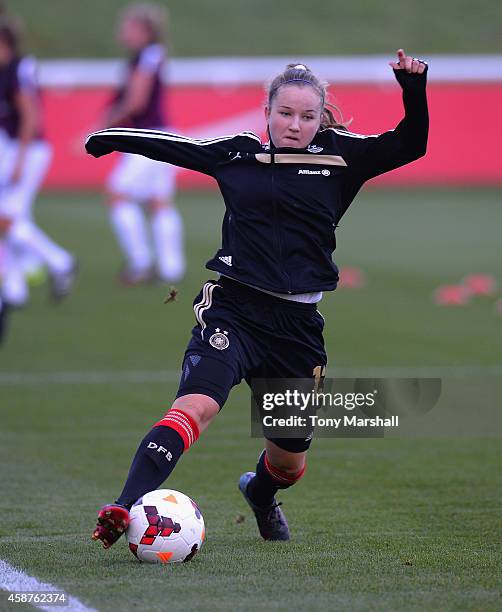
{"points": [[463, 146]]}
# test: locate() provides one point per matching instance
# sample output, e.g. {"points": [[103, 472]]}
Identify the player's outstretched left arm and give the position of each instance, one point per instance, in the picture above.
{"points": [[374, 155], [413, 130]]}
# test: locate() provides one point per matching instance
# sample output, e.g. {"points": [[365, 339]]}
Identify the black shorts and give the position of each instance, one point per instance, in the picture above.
{"points": [[244, 333]]}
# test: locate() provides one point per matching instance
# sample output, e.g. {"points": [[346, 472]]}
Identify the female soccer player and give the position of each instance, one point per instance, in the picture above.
{"points": [[283, 201], [138, 180], [24, 160]]}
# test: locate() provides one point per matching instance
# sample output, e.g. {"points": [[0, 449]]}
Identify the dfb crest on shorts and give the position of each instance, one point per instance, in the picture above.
{"points": [[219, 340]]}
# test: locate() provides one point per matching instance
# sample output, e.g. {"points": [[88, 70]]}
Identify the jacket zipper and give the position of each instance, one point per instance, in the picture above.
{"points": [[277, 228]]}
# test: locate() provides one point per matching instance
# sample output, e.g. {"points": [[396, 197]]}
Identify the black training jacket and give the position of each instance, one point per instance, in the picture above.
{"points": [[283, 204]]}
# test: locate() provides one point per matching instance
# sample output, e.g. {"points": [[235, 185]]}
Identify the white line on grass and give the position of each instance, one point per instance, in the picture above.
{"points": [[14, 580], [169, 376], [89, 377]]}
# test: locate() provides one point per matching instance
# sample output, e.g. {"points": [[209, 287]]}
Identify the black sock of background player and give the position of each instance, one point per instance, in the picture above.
{"points": [[155, 459], [262, 488], [3, 317]]}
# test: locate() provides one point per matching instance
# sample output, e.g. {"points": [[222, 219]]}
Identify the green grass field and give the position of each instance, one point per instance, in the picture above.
{"points": [[282, 27], [386, 524]]}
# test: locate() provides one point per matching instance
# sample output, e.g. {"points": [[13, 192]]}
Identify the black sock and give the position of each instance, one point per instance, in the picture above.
{"points": [[262, 488], [155, 459]]}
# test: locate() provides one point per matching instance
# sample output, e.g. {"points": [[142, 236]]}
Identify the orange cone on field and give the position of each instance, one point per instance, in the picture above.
{"points": [[351, 277], [451, 295], [480, 284]]}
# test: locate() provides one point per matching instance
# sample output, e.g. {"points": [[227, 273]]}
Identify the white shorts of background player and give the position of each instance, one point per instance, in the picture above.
{"points": [[16, 199], [140, 179]]}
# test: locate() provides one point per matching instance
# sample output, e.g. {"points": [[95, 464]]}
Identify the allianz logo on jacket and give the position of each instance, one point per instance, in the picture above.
{"points": [[324, 172]]}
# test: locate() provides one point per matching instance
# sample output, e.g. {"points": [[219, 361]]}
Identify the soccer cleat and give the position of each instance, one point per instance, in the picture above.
{"points": [[62, 282], [113, 520], [271, 521], [135, 276]]}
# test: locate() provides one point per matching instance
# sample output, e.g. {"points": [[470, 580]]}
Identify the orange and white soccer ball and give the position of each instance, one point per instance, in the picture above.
{"points": [[166, 527]]}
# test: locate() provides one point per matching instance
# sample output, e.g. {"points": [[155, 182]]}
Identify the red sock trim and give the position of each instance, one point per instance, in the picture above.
{"points": [[183, 424], [283, 477]]}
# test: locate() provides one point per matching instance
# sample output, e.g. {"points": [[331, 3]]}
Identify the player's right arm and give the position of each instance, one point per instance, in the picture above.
{"points": [[139, 87], [201, 155], [26, 102]]}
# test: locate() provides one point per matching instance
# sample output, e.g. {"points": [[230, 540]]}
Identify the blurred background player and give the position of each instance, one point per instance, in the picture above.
{"points": [[136, 180], [24, 160]]}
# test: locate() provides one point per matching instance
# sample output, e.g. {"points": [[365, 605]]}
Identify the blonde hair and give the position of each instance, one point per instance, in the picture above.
{"points": [[299, 74], [152, 16]]}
